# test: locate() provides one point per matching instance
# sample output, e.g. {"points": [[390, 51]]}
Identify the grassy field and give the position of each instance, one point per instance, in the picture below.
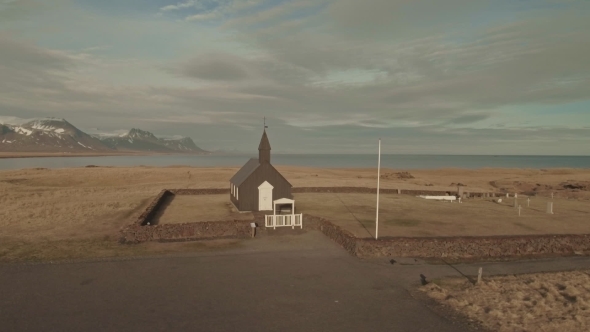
{"points": [[189, 208], [403, 215], [58, 212], [532, 302]]}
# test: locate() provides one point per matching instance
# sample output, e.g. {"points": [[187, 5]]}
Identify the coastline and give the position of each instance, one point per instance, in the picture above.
{"points": [[6, 155]]}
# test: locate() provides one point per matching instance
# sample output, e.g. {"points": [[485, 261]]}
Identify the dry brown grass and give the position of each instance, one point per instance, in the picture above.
{"points": [[533, 302], [189, 208], [42, 206], [403, 215]]}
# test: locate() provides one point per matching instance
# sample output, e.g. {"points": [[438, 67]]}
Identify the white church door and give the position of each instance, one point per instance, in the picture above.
{"points": [[265, 196]]}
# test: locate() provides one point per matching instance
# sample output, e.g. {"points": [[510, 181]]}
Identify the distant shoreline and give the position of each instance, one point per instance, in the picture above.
{"points": [[6, 155]]}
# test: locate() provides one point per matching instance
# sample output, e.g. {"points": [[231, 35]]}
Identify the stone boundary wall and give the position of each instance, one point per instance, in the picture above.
{"points": [[366, 190], [459, 247], [187, 231], [475, 247], [211, 191], [140, 232], [463, 247], [151, 210], [336, 233]]}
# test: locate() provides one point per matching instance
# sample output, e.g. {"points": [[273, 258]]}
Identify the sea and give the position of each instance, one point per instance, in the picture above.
{"points": [[392, 161]]}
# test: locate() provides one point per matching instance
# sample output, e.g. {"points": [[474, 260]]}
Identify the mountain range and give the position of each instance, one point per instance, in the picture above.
{"points": [[58, 135]]}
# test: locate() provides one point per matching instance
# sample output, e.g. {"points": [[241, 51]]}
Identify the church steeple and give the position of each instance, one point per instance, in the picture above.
{"points": [[264, 149]]}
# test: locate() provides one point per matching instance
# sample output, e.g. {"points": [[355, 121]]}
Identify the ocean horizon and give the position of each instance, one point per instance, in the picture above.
{"points": [[393, 161]]}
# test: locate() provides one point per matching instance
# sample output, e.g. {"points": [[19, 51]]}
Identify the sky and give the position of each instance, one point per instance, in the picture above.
{"points": [[330, 76]]}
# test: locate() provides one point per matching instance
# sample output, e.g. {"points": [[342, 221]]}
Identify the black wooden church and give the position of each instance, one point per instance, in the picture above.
{"points": [[257, 184]]}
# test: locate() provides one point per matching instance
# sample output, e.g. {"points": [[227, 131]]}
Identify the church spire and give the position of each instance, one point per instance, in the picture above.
{"points": [[264, 147]]}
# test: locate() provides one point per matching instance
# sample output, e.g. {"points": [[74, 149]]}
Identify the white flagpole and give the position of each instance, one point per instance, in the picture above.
{"points": [[378, 178]]}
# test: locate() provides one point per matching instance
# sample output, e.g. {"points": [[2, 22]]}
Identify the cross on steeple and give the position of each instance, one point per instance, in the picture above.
{"points": [[264, 147]]}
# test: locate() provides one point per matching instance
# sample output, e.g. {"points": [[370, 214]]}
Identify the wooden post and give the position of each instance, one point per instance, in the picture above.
{"points": [[479, 273], [528, 202], [253, 226], [519, 207]]}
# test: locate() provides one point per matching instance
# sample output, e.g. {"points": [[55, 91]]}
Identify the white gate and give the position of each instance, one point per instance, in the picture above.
{"points": [[282, 220]]}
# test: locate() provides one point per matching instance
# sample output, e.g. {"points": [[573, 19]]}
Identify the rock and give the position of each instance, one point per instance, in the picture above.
{"points": [[404, 175]]}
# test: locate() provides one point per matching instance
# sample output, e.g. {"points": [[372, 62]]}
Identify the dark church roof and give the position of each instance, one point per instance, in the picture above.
{"points": [[245, 171], [264, 143]]}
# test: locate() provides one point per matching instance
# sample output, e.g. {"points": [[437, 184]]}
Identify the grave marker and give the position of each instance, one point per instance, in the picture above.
{"points": [[550, 207], [528, 201], [519, 207]]}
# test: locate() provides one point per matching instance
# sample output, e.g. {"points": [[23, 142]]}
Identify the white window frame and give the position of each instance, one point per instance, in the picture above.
{"points": [[237, 191]]}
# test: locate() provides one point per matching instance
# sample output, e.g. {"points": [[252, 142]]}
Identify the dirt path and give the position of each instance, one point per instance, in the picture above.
{"points": [[283, 281]]}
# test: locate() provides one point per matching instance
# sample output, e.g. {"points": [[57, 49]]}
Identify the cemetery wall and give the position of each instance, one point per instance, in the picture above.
{"points": [[187, 231], [464, 247], [366, 190], [209, 191], [140, 232], [152, 209], [475, 247], [336, 233]]}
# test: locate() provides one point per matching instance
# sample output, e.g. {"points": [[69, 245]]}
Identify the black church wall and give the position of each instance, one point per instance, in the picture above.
{"points": [[249, 188]]}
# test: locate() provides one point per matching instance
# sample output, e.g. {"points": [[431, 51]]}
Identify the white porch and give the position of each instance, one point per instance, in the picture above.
{"points": [[286, 217]]}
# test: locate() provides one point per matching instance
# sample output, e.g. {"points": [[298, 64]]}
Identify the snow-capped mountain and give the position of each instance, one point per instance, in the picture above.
{"points": [[58, 135], [141, 140], [47, 135]]}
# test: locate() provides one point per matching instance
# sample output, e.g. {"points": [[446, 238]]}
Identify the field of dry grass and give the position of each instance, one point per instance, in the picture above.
{"points": [[403, 215], [43, 209], [188, 208], [533, 302]]}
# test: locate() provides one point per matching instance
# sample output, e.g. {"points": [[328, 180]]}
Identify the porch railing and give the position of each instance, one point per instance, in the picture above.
{"points": [[283, 220]]}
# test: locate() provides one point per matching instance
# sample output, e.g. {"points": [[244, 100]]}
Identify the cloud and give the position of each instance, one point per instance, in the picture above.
{"points": [[215, 67], [13, 120], [15, 55], [414, 72], [180, 5], [271, 14], [221, 9]]}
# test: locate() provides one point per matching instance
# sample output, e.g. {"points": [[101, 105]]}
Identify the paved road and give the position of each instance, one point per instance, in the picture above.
{"points": [[285, 283]]}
